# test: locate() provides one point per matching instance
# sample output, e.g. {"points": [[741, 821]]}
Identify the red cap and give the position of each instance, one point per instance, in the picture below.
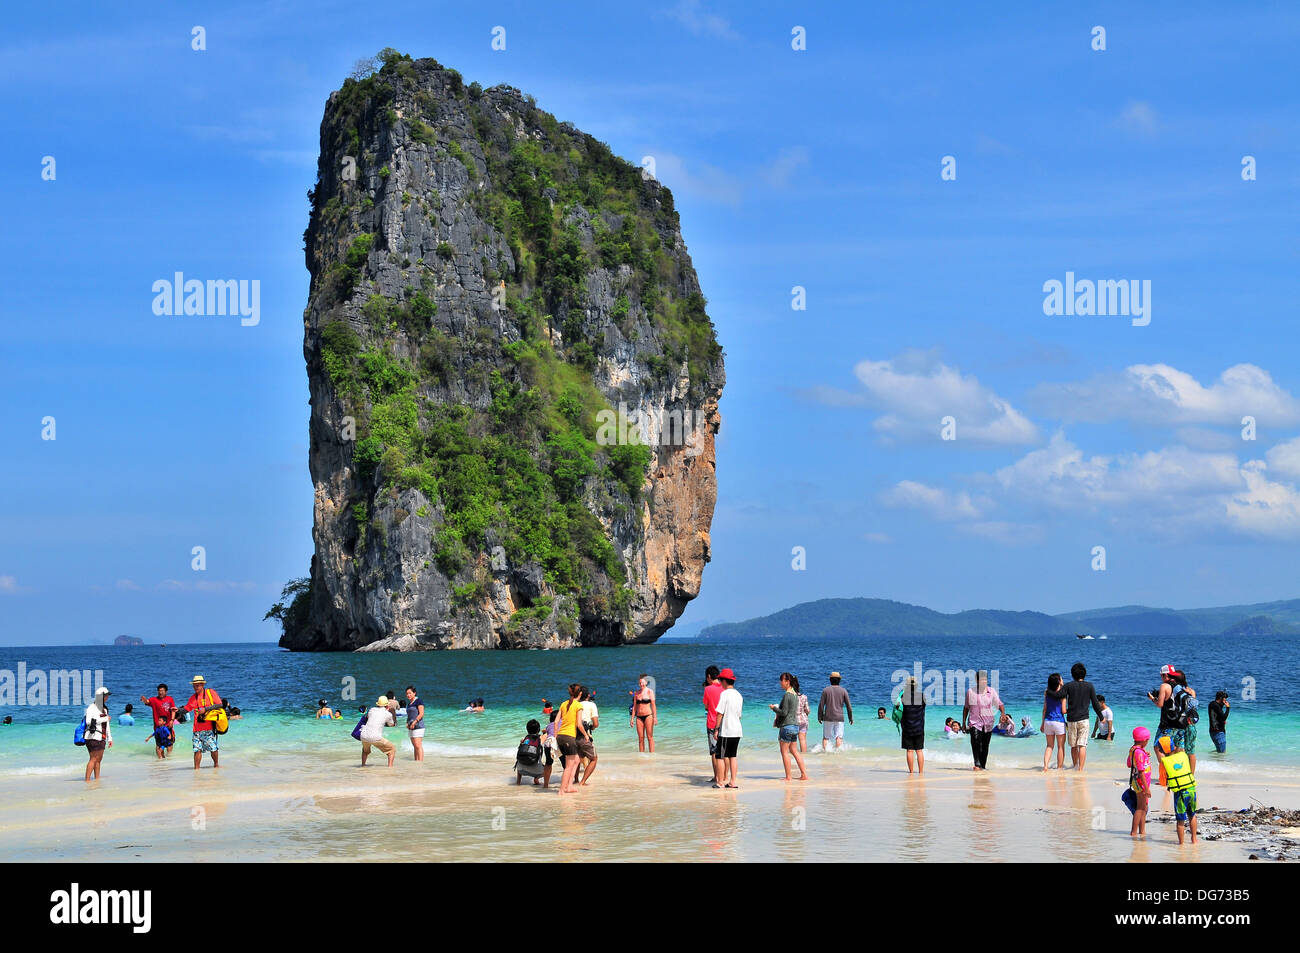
{"points": [[728, 674]]}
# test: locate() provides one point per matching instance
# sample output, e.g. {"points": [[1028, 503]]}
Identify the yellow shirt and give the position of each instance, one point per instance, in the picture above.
{"points": [[569, 712]]}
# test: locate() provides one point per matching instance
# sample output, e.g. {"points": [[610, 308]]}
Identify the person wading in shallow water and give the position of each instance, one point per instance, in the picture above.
{"points": [[201, 702], [164, 720], [645, 714], [712, 689], [567, 736], [730, 706], [99, 732], [831, 710], [977, 718], [787, 725], [415, 721]]}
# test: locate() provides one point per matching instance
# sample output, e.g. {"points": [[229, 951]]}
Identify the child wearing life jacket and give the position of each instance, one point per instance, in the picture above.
{"points": [[532, 759], [1180, 782], [1139, 782]]}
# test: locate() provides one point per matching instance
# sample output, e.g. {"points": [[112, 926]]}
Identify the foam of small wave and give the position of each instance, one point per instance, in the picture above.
{"points": [[46, 770], [461, 751]]}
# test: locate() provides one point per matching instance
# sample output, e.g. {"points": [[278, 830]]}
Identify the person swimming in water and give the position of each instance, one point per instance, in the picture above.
{"points": [[323, 710], [1006, 726]]}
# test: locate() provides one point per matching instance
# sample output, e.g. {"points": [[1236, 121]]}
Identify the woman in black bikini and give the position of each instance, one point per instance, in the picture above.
{"points": [[645, 715]]}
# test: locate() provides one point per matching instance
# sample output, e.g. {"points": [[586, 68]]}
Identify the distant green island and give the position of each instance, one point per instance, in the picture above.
{"points": [[837, 618]]}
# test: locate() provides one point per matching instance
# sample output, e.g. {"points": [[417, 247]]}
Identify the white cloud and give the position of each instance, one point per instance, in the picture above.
{"points": [[1264, 508], [939, 503], [877, 538], [128, 585], [692, 15], [1060, 476], [1139, 117], [1284, 458], [204, 585], [701, 179], [986, 145], [916, 392], [715, 184], [1172, 492], [1010, 534], [9, 585], [1162, 395], [1202, 438], [778, 171]]}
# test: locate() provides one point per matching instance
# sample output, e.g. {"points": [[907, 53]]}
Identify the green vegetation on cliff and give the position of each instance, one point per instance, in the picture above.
{"points": [[525, 471]]}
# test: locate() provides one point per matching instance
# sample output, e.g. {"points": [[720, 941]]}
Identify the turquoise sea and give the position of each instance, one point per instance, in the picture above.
{"points": [[277, 692]]}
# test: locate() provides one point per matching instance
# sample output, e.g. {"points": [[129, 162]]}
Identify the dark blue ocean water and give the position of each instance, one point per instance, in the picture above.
{"points": [[278, 690]]}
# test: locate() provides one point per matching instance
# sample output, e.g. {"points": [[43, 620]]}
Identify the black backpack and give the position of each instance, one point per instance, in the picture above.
{"points": [[1186, 709], [530, 750]]}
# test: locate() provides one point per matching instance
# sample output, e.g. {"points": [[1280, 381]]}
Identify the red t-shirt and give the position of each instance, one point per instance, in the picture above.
{"points": [[711, 695], [162, 708], [210, 699]]}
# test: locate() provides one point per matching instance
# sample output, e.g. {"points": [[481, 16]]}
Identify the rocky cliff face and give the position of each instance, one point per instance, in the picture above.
{"points": [[514, 384]]}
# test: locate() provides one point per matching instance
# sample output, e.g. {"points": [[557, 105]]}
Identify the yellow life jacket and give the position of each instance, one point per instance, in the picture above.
{"points": [[219, 719], [216, 716], [1178, 771]]}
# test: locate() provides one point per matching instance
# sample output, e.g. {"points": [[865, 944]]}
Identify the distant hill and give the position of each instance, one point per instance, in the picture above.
{"points": [[1260, 625], [849, 617], [834, 618], [130, 640]]}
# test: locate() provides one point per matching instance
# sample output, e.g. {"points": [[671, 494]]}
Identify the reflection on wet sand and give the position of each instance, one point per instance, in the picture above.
{"points": [[469, 809], [916, 821]]}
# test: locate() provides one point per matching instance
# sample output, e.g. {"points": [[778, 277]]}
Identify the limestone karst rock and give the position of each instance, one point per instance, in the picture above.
{"points": [[514, 383]]}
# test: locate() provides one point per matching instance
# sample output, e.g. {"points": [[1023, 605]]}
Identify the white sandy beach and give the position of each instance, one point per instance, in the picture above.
{"points": [[638, 807]]}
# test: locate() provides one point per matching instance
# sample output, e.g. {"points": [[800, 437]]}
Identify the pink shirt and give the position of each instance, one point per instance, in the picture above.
{"points": [[982, 708], [711, 693], [1141, 761]]}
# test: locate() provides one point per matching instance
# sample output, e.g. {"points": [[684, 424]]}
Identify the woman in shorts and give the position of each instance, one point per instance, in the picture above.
{"points": [[415, 721], [99, 732], [805, 711], [567, 733], [1053, 723], [787, 724]]}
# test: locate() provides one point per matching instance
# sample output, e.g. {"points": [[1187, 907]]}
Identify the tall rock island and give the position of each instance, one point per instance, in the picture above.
{"points": [[514, 383]]}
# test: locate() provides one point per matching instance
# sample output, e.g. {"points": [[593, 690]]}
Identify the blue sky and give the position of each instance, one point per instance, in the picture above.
{"points": [[818, 168]]}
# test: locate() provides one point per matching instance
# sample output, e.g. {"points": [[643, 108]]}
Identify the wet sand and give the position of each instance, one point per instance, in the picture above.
{"points": [[638, 807]]}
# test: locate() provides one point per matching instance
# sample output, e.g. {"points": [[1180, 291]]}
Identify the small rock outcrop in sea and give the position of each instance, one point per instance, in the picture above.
{"points": [[128, 640], [514, 383]]}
